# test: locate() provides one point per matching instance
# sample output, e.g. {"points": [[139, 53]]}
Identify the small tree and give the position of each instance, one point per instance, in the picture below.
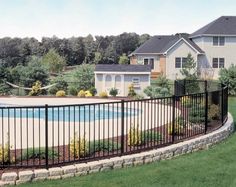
{"points": [[189, 72], [123, 59], [228, 77], [54, 61], [189, 69], [83, 76], [159, 88]]}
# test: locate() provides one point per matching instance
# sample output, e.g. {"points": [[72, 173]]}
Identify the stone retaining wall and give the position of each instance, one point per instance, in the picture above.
{"points": [[199, 143]]}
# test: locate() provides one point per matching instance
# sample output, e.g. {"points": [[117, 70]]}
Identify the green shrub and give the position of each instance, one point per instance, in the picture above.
{"points": [[53, 90], [104, 145], [197, 115], [150, 136], [160, 87], [72, 90], [178, 127], [36, 89], [228, 77], [81, 93], [103, 95], [60, 84], [138, 97], [214, 112], [78, 146], [134, 136], [39, 153], [113, 92], [61, 93], [93, 91]]}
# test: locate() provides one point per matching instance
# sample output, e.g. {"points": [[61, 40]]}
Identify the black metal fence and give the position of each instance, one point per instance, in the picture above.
{"points": [[43, 136]]}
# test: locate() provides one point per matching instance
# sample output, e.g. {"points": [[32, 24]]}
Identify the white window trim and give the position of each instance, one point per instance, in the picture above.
{"points": [[218, 62], [181, 62]]}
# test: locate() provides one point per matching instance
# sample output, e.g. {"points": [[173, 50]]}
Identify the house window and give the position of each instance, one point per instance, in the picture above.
{"points": [[180, 62], [149, 61], [222, 41], [221, 62], [218, 41], [215, 63], [215, 40], [177, 62], [218, 62], [184, 60], [145, 61], [136, 81]]}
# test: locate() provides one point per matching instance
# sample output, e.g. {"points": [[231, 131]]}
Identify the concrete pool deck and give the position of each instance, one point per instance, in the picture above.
{"points": [[30, 132]]}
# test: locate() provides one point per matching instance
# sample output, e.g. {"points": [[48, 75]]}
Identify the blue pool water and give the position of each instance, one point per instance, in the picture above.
{"points": [[77, 114]]}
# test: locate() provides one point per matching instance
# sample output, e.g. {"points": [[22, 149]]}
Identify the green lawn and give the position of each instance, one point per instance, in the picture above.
{"points": [[214, 167]]}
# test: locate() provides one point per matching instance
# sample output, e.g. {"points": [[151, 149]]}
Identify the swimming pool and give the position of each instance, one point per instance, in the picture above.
{"points": [[68, 113]]}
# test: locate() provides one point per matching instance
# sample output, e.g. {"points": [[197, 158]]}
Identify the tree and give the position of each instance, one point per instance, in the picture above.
{"points": [[83, 77], [89, 49], [228, 77], [5, 75], [97, 58], [123, 59], [54, 61], [27, 75], [189, 68], [189, 73]]}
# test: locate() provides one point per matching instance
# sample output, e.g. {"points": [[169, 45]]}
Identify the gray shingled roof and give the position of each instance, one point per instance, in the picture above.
{"points": [[224, 25], [122, 68], [160, 44]]}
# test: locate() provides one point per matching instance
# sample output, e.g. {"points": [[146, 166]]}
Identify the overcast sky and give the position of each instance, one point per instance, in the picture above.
{"points": [[67, 18]]}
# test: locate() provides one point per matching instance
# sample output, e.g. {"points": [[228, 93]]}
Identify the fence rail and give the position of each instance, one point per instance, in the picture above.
{"points": [[44, 136]]}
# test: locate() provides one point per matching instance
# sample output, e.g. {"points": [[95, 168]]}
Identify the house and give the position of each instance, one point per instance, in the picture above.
{"points": [[213, 47], [121, 76]]}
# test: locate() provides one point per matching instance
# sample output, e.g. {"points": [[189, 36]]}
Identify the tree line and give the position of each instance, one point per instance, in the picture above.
{"points": [[75, 50]]}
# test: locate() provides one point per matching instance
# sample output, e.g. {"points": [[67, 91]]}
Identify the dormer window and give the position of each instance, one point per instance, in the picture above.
{"points": [[218, 40]]}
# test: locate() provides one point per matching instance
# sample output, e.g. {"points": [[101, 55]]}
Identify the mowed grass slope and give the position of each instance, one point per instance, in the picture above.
{"points": [[214, 167]]}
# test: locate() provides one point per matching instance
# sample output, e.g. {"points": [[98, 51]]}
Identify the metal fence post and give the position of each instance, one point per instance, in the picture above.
{"points": [[222, 103], [205, 85], [46, 136], [122, 126], [184, 86], [173, 118], [206, 110]]}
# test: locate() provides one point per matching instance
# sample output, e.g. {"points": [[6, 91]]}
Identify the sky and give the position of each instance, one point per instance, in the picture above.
{"points": [[67, 18]]}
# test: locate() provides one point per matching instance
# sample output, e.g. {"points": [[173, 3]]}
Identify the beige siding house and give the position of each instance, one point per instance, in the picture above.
{"points": [[212, 47], [166, 54], [108, 76]]}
